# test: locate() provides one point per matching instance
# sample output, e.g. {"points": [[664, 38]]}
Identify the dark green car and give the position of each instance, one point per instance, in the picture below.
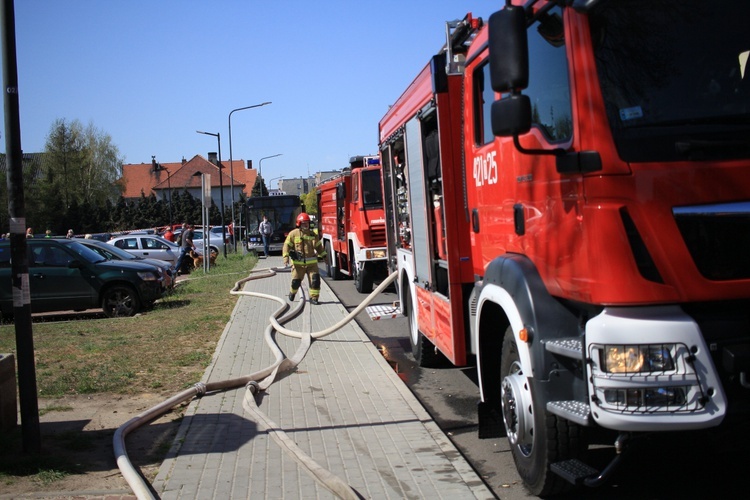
{"points": [[65, 275]]}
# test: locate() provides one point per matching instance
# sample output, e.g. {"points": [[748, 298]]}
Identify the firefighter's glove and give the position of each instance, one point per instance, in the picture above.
{"points": [[286, 261], [321, 258]]}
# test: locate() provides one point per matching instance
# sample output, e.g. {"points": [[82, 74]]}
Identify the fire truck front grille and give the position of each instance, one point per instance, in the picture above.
{"points": [[717, 237], [377, 236]]}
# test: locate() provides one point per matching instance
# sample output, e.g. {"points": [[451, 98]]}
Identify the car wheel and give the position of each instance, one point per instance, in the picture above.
{"points": [[6, 317], [120, 300], [362, 278]]}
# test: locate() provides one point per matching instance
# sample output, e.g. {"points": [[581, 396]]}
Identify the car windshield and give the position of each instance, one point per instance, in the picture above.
{"points": [[372, 194], [85, 252], [673, 77], [198, 235]]}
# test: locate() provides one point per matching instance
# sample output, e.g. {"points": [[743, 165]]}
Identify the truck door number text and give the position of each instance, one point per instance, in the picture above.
{"points": [[485, 169]]}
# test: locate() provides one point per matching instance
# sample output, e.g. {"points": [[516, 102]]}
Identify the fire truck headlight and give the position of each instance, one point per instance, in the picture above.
{"points": [[638, 358], [375, 254]]}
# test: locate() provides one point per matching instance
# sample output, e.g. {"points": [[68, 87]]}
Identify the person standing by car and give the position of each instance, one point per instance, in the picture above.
{"points": [[186, 245], [304, 248], [178, 238], [266, 230]]}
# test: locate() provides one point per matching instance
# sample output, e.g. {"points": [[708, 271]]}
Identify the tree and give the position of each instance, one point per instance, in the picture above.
{"points": [[259, 188], [80, 169], [62, 165], [102, 167], [310, 200]]}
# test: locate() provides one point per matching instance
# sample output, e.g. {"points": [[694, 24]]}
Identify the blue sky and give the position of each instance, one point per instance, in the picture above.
{"points": [[151, 73]]}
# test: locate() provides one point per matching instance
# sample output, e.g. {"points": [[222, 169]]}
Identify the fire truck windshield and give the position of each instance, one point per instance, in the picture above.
{"points": [[674, 77], [372, 193]]}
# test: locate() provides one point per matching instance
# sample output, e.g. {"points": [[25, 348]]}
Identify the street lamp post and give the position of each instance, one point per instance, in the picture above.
{"points": [[231, 163], [169, 186], [260, 166], [204, 219], [275, 179], [221, 193]]}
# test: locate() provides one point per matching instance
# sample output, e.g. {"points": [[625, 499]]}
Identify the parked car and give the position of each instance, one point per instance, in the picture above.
{"points": [[215, 242], [103, 237], [66, 275], [217, 233], [147, 246], [111, 252]]}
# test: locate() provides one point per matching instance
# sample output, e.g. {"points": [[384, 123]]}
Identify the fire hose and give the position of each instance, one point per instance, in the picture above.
{"points": [[254, 383]]}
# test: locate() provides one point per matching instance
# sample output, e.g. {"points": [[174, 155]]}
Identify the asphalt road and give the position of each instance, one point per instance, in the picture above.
{"points": [[667, 466]]}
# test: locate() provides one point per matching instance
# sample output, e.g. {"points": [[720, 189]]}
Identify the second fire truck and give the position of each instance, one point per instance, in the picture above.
{"points": [[352, 223], [568, 204]]}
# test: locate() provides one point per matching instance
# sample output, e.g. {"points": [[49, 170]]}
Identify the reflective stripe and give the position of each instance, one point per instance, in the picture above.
{"points": [[304, 238], [307, 259], [310, 260]]}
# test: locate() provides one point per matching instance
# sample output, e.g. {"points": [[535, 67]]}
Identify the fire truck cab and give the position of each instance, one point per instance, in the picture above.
{"points": [[352, 223], [568, 205]]}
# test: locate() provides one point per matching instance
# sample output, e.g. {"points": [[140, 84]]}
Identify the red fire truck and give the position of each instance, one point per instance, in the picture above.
{"points": [[567, 196], [352, 222]]}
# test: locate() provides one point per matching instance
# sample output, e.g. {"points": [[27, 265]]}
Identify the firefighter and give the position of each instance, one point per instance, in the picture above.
{"points": [[303, 248]]}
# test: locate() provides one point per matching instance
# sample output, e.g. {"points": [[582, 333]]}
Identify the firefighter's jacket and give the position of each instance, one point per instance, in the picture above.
{"points": [[303, 247]]}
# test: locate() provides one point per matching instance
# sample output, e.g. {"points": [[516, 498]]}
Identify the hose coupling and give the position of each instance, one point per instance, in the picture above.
{"points": [[200, 389]]}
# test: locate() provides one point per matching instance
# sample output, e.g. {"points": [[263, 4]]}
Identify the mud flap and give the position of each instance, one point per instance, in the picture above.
{"points": [[490, 421]]}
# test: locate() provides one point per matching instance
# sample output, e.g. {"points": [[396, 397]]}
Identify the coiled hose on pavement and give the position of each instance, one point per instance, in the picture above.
{"points": [[255, 383]]}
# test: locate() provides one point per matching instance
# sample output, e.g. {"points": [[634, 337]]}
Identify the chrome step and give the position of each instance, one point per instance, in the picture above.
{"points": [[379, 312], [570, 347], [575, 411]]}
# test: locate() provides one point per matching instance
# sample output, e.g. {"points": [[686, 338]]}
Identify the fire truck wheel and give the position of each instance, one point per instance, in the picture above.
{"points": [[537, 438], [424, 351], [362, 278], [331, 272]]}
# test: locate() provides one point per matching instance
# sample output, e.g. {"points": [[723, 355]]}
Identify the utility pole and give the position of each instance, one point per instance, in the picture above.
{"points": [[30, 430], [221, 190]]}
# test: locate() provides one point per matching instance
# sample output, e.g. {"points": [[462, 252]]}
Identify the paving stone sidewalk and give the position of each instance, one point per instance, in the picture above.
{"points": [[343, 406]]}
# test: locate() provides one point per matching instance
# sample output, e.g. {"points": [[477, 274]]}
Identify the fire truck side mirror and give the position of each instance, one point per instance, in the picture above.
{"points": [[511, 116], [509, 50]]}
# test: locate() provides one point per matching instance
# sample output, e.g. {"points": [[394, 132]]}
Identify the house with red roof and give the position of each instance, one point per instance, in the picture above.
{"points": [[159, 178]]}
